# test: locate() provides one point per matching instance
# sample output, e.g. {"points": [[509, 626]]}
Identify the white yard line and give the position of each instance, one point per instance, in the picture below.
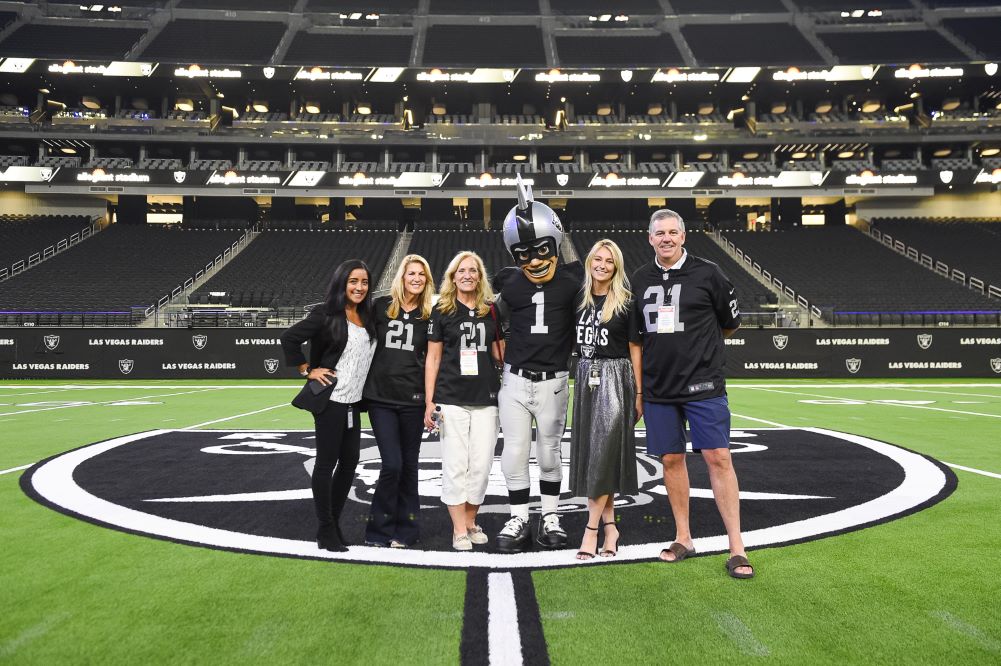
{"points": [[752, 418], [503, 637], [971, 395], [106, 402], [14, 469], [237, 416], [973, 470], [888, 404]]}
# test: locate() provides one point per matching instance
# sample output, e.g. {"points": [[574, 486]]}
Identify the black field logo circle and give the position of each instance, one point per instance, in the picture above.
{"points": [[249, 491]]}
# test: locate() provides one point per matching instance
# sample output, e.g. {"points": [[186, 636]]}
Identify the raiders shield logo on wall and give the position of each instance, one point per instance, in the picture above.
{"points": [[924, 340], [996, 365], [780, 341], [271, 365], [199, 341], [126, 365], [853, 365], [51, 341], [180, 176], [562, 179]]}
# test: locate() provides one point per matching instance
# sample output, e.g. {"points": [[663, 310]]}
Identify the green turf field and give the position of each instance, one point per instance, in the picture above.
{"points": [[921, 589]]}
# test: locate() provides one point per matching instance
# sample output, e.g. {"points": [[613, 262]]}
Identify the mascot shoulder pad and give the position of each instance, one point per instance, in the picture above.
{"points": [[503, 276]]}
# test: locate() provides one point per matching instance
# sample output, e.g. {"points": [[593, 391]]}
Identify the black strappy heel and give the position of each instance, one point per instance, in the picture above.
{"points": [[584, 555], [611, 553]]}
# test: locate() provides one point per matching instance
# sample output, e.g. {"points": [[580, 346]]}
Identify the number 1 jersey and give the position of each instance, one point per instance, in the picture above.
{"points": [[542, 319]]}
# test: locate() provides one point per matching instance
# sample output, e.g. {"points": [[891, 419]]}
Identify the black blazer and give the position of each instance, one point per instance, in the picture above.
{"points": [[316, 330]]}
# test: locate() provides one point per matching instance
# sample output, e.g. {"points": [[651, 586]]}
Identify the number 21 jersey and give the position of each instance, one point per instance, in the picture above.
{"points": [[397, 373], [678, 315]]}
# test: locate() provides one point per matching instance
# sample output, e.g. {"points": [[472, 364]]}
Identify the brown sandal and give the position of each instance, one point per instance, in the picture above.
{"points": [[735, 562], [679, 550]]}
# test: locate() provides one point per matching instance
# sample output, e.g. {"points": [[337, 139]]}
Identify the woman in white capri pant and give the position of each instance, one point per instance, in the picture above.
{"points": [[461, 385]]}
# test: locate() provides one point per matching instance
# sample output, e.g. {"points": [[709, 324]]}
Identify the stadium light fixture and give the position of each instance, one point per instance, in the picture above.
{"points": [[312, 107], [604, 109], [871, 106], [846, 154], [751, 156], [260, 107], [823, 107], [655, 109], [799, 155], [90, 102], [611, 157], [704, 156], [779, 107], [184, 104], [658, 156], [705, 108], [364, 108], [942, 152], [989, 152], [438, 109], [520, 158], [565, 158], [950, 104], [68, 150]]}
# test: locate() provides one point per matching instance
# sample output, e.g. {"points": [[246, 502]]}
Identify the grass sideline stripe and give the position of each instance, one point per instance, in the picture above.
{"points": [[890, 404], [15, 469], [973, 470], [104, 402], [230, 418]]}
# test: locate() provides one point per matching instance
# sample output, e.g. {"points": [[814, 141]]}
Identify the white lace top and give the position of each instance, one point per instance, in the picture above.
{"points": [[352, 367]]}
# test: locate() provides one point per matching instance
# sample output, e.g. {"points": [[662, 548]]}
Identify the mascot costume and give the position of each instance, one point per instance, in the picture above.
{"points": [[538, 301]]}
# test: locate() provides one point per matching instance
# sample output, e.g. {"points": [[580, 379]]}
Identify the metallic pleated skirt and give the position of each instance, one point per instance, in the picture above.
{"points": [[602, 441]]}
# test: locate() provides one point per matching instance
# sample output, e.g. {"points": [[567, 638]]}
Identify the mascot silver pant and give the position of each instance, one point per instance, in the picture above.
{"points": [[520, 401]]}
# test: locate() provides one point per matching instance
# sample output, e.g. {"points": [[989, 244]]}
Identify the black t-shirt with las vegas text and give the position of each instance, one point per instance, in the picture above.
{"points": [[397, 373], [601, 339], [685, 365], [541, 319], [459, 330]]}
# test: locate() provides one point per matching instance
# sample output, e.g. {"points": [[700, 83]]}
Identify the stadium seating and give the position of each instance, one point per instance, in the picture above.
{"points": [[896, 46], [369, 49], [636, 251], [746, 6], [202, 41], [485, 46], [969, 246], [840, 271], [123, 267], [631, 51], [24, 236], [438, 242], [292, 268], [38, 40], [377, 6], [980, 32], [750, 44]]}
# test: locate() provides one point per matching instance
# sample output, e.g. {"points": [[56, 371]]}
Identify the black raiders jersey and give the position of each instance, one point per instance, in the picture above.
{"points": [[601, 339], [460, 331], [678, 315], [541, 319], [397, 372]]}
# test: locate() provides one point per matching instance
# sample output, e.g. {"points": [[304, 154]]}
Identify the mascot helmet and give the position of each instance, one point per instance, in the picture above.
{"points": [[533, 234]]}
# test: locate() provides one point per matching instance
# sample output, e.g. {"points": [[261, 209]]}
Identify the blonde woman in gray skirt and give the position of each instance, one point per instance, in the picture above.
{"points": [[602, 446]]}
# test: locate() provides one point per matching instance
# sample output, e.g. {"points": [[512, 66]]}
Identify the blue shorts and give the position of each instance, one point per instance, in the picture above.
{"points": [[708, 420]]}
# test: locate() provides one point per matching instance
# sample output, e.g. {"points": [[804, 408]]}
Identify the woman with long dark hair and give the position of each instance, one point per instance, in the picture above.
{"points": [[395, 397], [341, 333]]}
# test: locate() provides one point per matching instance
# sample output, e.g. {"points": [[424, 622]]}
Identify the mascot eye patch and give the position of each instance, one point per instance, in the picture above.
{"points": [[525, 253]]}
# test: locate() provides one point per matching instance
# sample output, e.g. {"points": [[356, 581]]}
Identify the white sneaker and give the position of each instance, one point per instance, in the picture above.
{"points": [[462, 542], [477, 536]]}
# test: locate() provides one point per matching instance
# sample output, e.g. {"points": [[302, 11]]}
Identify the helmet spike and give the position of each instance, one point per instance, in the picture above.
{"points": [[524, 193]]}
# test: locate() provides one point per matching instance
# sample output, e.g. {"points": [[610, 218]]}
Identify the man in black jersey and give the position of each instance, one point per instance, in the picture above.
{"points": [[538, 302], [683, 308]]}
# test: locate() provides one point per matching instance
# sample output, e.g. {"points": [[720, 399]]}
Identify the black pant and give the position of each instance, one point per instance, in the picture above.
{"points": [[336, 446], [396, 504]]}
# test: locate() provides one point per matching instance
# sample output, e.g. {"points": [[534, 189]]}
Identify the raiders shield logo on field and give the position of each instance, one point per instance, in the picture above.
{"points": [[780, 341], [924, 340], [853, 365], [199, 341], [249, 491], [180, 176], [562, 179], [126, 365], [996, 365], [51, 341], [271, 365]]}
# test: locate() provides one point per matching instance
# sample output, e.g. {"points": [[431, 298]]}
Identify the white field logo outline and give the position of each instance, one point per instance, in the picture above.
{"points": [[54, 481]]}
